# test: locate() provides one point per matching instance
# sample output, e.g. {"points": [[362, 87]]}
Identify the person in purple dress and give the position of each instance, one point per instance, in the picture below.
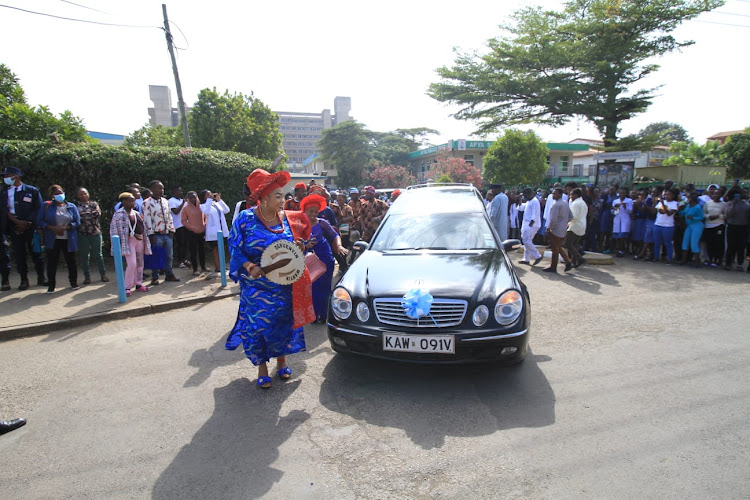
{"points": [[324, 242]]}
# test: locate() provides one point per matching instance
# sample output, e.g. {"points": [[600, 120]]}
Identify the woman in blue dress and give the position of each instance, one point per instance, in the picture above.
{"points": [[265, 321], [324, 242]]}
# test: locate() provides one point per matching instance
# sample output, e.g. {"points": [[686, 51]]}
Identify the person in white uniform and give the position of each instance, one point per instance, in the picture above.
{"points": [[532, 216], [622, 207]]}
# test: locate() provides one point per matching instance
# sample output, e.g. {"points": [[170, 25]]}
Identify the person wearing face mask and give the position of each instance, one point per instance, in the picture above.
{"points": [[60, 221], [19, 207]]}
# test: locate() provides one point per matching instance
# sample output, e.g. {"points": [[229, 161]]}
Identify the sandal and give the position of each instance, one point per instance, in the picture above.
{"points": [[128, 293], [285, 373], [142, 288], [264, 382]]}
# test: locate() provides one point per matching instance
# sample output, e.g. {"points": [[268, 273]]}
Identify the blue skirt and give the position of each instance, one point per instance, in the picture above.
{"points": [[638, 232], [264, 321]]}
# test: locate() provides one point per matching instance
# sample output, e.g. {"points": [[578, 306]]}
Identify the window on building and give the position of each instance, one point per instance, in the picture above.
{"points": [[564, 163], [592, 170], [469, 159], [551, 171], [578, 170]]}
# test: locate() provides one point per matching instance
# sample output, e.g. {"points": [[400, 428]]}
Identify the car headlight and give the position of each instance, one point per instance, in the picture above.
{"points": [[508, 307], [341, 303], [363, 312], [481, 314]]}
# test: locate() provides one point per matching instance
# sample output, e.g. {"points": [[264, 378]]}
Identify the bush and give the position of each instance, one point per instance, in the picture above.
{"points": [[107, 170]]}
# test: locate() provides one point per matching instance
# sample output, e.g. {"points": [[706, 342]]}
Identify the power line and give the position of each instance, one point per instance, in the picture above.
{"points": [[79, 20], [729, 13], [725, 24], [84, 7], [183, 36]]}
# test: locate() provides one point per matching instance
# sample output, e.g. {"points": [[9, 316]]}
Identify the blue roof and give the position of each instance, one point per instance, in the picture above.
{"points": [[103, 136], [309, 159]]}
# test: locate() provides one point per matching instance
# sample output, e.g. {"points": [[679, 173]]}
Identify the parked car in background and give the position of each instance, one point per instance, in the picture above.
{"points": [[436, 242]]}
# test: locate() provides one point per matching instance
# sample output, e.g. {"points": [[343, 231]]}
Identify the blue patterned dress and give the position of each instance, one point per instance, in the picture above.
{"points": [[265, 317], [324, 235]]}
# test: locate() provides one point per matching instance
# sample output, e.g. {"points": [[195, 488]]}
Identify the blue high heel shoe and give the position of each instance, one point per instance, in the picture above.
{"points": [[285, 373], [262, 381]]}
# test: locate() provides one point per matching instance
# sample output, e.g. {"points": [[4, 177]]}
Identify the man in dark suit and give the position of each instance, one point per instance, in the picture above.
{"points": [[19, 207]]}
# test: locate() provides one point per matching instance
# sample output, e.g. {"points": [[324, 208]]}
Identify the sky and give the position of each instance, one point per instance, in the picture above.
{"points": [[298, 55]]}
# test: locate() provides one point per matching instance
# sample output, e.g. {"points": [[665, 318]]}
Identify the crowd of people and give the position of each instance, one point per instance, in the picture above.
{"points": [[662, 223], [158, 234]]}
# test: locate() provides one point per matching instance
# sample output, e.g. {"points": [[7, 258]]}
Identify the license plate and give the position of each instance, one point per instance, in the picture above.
{"points": [[445, 344]]}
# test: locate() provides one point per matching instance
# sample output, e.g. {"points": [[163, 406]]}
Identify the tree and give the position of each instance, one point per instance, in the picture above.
{"points": [[417, 136], [234, 122], [581, 62], [665, 133], [156, 136], [517, 158], [20, 121], [10, 89], [695, 154], [394, 147], [458, 169], [390, 148], [346, 147], [445, 179], [736, 153], [390, 176]]}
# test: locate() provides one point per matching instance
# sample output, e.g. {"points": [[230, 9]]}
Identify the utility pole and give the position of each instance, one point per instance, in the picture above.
{"points": [[180, 102]]}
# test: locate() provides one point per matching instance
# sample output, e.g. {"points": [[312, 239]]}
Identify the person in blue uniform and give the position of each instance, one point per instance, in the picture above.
{"points": [[19, 207]]}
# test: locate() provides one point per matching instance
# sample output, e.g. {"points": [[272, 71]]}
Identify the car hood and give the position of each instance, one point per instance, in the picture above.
{"points": [[468, 275]]}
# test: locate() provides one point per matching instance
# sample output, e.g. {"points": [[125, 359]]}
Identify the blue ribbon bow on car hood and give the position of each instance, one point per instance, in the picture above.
{"points": [[416, 303]]}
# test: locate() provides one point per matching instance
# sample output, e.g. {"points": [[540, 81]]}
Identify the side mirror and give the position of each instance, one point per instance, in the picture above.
{"points": [[361, 245], [509, 245]]}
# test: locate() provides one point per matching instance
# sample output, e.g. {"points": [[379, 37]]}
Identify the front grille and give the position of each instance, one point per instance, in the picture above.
{"points": [[443, 313]]}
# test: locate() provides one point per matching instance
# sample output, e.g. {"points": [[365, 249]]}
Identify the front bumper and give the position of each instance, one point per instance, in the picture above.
{"points": [[471, 347]]}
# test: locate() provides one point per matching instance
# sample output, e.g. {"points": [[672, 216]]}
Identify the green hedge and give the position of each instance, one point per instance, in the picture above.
{"points": [[106, 170]]}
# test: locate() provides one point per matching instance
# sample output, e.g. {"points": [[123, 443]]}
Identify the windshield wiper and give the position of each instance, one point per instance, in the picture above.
{"points": [[415, 248]]}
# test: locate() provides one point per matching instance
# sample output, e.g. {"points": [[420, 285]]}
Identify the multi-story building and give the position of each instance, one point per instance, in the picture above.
{"points": [[302, 131], [163, 113]]}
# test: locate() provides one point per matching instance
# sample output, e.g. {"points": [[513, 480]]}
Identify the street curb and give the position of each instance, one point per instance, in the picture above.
{"points": [[45, 327]]}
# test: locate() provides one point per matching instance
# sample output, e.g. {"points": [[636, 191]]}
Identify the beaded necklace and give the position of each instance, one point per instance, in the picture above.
{"points": [[259, 213]]}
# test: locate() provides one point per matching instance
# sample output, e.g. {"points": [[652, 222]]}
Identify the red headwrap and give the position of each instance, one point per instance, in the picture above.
{"points": [[261, 182], [313, 199], [300, 185], [316, 188]]}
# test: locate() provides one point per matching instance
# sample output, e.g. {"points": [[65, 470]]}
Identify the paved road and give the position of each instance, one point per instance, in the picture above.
{"points": [[637, 387]]}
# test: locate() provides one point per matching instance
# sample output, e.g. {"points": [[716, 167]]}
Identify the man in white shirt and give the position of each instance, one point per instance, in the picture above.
{"points": [[176, 203], [576, 227], [215, 210], [532, 217]]}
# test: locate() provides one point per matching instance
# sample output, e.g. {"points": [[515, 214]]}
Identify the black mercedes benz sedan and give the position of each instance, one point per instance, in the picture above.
{"points": [[434, 285]]}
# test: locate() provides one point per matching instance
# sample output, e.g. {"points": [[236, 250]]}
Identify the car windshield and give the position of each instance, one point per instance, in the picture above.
{"points": [[441, 231]]}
